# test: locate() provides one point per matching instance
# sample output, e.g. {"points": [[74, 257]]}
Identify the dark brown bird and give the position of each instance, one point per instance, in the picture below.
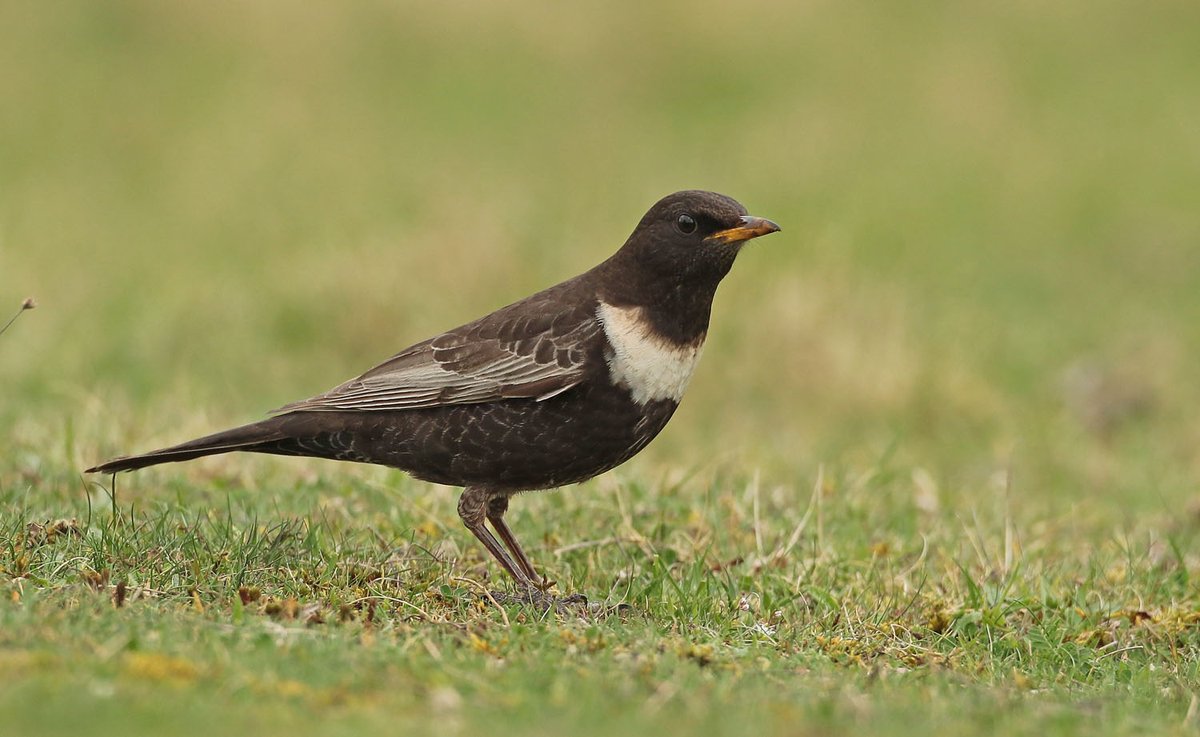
{"points": [[548, 391]]}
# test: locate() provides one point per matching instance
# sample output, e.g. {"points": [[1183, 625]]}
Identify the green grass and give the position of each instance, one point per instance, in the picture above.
{"points": [[938, 471]]}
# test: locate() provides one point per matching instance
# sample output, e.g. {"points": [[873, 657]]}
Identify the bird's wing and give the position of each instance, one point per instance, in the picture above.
{"points": [[533, 350]]}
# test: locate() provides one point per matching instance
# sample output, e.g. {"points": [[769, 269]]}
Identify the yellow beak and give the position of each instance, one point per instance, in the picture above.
{"points": [[751, 227]]}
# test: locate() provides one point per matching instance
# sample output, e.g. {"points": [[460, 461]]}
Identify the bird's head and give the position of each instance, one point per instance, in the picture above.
{"points": [[693, 235]]}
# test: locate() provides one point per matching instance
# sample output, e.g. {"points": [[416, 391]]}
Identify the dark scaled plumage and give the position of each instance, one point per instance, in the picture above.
{"points": [[551, 390]]}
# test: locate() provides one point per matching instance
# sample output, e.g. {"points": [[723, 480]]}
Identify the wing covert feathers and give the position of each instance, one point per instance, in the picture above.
{"points": [[509, 354]]}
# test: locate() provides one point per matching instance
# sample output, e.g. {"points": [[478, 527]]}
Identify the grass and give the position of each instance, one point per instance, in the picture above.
{"points": [[937, 471], [330, 608]]}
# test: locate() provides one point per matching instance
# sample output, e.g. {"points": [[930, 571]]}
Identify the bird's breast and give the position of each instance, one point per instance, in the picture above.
{"points": [[649, 365]]}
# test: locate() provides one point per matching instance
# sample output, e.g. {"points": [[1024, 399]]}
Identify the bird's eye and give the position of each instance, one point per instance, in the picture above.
{"points": [[686, 223]]}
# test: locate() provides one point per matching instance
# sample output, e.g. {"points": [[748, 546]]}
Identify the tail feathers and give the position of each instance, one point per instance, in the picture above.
{"points": [[257, 436]]}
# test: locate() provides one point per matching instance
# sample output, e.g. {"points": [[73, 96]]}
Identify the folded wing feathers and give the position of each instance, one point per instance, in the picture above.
{"points": [[456, 369]]}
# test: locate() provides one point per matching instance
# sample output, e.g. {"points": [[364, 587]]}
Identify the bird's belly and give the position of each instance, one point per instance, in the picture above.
{"points": [[510, 445]]}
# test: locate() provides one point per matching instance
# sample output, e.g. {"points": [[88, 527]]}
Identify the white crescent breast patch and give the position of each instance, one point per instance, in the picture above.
{"points": [[651, 367]]}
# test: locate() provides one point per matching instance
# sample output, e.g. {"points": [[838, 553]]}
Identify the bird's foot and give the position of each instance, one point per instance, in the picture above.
{"points": [[573, 604], [540, 598]]}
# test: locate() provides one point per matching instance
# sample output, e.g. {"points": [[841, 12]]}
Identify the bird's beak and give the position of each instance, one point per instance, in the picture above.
{"points": [[751, 227]]}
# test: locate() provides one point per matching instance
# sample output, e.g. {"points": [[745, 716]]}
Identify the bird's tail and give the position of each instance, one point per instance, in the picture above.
{"points": [[258, 436]]}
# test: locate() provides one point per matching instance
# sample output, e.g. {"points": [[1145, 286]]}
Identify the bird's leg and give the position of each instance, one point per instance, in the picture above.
{"points": [[496, 508], [473, 510]]}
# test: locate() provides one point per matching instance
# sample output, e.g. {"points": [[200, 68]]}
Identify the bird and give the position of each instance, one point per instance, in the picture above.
{"points": [[548, 391]]}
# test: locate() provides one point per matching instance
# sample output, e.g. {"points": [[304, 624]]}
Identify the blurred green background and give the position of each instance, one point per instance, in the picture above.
{"points": [[990, 264], [977, 338]]}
